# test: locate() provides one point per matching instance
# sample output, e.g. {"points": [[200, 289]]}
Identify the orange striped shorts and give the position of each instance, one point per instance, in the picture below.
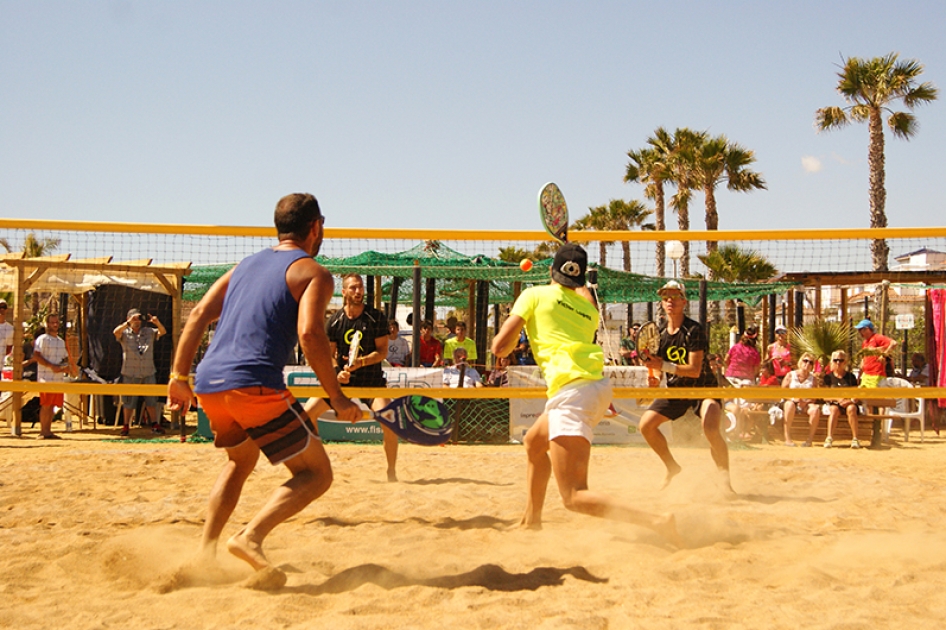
{"points": [[272, 418]]}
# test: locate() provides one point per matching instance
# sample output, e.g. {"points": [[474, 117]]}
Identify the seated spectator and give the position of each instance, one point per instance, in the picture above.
{"points": [[399, 350], [838, 376], [780, 353], [767, 377], [801, 378], [499, 375], [451, 373], [717, 370], [919, 374], [431, 351]]}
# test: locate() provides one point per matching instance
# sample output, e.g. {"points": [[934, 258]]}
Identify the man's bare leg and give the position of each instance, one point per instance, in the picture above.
{"points": [[538, 473], [241, 460], [46, 420], [389, 440], [570, 456], [709, 417], [311, 477], [650, 429]]}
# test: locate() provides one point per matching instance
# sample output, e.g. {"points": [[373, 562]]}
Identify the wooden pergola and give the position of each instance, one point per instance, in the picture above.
{"points": [[60, 274]]}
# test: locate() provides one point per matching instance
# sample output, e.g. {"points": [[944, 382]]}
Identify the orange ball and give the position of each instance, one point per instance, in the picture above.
{"points": [[526, 264]]}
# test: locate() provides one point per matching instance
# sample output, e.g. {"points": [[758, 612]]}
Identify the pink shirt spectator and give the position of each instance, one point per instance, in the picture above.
{"points": [[742, 362]]}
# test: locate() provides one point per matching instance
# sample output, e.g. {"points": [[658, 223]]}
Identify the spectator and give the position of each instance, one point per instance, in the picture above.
{"points": [[801, 378], [767, 377], [779, 353], [399, 350], [742, 367], [430, 352], [743, 360], [920, 372], [838, 376], [716, 370], [628, 348], [137, 343], [451, 373], [6, 330], [524, 350], [460, 340], [875, 348], [451, 326], [499, 375], [52, 359]]}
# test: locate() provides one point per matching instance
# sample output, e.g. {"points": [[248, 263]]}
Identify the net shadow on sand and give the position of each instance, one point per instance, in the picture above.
{"points": [[488, 576]]}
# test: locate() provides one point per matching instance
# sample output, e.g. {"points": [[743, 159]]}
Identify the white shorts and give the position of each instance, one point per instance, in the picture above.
{"points": [[577, 408]]}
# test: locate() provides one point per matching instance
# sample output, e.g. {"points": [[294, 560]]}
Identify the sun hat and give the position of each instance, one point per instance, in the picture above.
{"points": [[569, 266], [673, 285], [781, 328]]}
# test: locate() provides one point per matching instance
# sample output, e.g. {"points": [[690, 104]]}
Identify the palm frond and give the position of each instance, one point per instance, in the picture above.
{"points": [[821, 338]]}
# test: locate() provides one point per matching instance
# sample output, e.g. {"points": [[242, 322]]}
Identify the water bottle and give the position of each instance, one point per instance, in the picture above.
{"points": [[69, 425]]}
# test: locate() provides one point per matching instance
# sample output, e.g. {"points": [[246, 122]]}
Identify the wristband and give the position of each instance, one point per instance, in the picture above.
{"points": [[668, 367], [174, 376]]}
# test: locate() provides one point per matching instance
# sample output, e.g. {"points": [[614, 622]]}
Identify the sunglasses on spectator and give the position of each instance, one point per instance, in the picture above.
{"points": [[808, 361], [838, 360]]}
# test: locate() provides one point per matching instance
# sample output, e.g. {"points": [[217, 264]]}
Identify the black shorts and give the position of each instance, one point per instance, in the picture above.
{"points": [[366, 401], [674, 408]]}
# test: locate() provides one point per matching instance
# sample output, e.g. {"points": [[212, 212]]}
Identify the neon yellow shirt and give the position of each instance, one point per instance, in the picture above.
{"points": [[561, 326], [452, 344]]}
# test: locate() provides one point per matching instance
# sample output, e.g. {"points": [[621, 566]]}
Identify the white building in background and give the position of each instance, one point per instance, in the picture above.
{"points": [[903, 298]]}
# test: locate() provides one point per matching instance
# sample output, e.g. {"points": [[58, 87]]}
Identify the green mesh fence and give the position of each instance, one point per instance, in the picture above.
{"points": [[453, 272], [480, 420]]}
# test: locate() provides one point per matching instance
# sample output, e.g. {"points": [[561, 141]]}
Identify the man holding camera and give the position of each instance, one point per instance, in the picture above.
{"points": [[138, 364]]}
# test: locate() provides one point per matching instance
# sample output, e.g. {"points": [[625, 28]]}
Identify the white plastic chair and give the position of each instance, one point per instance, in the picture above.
{"points": [[903, 410]]}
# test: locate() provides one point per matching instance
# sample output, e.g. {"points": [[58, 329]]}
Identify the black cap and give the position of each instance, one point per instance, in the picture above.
{"points": [[569, 266]]}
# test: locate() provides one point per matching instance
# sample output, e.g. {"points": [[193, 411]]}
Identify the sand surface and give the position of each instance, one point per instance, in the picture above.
{"points": [[90, 529]]}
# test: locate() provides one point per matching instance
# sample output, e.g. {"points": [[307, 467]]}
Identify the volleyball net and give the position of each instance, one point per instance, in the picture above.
{"points": [[92, 273]]}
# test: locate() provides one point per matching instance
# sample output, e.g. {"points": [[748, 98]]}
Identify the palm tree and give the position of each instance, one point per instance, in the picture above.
{"points": [[596, 219], [618, 215], [683, 160], [871, 86], [651, 167], [716, 160], [34, 248], [729, 263]]}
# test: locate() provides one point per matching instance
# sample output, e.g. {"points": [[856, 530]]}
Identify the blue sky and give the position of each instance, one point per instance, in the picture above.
{"points": [[443, 114]]}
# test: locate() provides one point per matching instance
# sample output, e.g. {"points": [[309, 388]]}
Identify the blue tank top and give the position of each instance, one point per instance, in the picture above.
{"points": [[257, 330]]}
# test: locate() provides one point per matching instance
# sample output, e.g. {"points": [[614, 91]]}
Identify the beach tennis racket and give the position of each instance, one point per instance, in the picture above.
{"points": [[648, 342], [417, 419], [554, 212], [354, 348]]}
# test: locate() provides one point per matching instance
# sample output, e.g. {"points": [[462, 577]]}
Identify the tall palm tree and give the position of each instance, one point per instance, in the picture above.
{"points": [[651, 166], [871, 86], [683, 160], [717, 160], [729, 263]]}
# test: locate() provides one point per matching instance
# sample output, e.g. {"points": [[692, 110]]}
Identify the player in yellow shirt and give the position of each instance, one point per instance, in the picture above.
{"points": [[561, 320]]}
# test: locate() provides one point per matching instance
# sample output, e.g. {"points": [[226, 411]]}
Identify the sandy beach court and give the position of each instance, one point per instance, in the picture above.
{"points": [[91, 528]]}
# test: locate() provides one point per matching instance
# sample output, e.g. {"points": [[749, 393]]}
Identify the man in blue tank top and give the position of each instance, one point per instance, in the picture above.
{"points": [[265, 305]]}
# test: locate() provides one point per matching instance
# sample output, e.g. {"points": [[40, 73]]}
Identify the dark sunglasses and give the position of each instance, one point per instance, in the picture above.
{"points": [[838, 360], [808, 361]]}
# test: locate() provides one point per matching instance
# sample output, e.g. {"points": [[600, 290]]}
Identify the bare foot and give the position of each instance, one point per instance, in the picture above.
{"points": [[392, 476], [672, 471], [248, 550], [531, 521], [268, 579]]}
